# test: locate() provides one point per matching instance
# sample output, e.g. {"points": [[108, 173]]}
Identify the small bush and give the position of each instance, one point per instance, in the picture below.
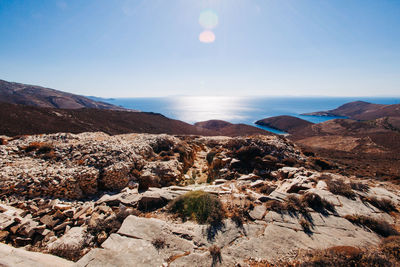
{"points": [[380, 227], [359, 186], [306, 225], [199, 206], [215, 253], [383, 204], [317, 203], [210, 156], [338, 187], [391, 246], [3, 141], [158, 243]]}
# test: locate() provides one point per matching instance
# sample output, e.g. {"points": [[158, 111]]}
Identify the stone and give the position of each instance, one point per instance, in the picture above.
{"points": [[258, 212], [75, 238], [49, 220], [142, 228], [10, 256]]}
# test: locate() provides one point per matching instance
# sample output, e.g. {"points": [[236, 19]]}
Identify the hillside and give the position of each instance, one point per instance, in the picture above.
{"points": [[162, 200], [284, 123], [37, 96], [360, 110], [21, 119], [229, 129]]}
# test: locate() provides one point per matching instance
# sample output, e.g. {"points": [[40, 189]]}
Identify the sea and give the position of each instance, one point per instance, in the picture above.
{"points": [[246, 110]]}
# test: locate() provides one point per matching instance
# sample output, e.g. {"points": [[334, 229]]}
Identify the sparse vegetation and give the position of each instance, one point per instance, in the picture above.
{"points": [[72, 253], [215, 253], [210, 156], [380, 227], [306, 225], [342, 256], [362, 187], [159, 243], [317, 203], [383, 204], [338, 187], [391, 246], [3, 141], [199, 206]]}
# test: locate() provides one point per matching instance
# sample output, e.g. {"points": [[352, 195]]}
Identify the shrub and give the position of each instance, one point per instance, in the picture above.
{"points": [[317, 203], [199, 206], [380, 227], [3, 141], [338, 187], [391, 246], [306, 225], [210, 156], [383, 204], [359, 186], [158, 243], [215, 253], [343, 256]]}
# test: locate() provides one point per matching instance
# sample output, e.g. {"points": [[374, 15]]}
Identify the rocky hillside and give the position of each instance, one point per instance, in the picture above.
{"points": [[229, 129], [162, 200], [361, 110], [287, 124], [37, 96]]}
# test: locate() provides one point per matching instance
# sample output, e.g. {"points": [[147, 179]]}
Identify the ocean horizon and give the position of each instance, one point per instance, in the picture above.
{"points": [[247, 110]]}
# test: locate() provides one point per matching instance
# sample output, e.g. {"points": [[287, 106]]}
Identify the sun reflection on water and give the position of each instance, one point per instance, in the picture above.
{"points": [[200, 108]]}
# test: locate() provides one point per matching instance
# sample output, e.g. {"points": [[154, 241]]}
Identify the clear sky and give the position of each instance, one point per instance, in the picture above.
{"points": [[132, 48]]}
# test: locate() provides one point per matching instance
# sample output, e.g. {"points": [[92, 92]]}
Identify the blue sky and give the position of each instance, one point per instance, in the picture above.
{"points": [[132, 48]]}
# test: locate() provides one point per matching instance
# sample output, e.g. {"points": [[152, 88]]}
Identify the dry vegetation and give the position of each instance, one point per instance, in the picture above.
{"points": [[380, 227]]}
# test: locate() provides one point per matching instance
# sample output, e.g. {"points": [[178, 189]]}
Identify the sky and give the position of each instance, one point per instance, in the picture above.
{"points": [[143, 48]]}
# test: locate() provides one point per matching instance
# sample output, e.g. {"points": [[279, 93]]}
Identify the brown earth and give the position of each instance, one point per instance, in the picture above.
{"points": [[32, 95], [360, 110], [21, 119], [284, 123], [229, 129]]}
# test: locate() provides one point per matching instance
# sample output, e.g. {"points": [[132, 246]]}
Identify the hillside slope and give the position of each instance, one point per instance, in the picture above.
{"points": [[32, 95], [284, 123]]}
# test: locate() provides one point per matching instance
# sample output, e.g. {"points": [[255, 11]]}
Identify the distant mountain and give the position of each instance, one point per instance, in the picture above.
{"points": [[284, 123], [229, 129], [37, 96], [360, 110]]}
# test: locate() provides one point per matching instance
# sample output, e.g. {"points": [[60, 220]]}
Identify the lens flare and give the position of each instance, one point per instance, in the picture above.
{"points": [[207, 37], [208, 19]]}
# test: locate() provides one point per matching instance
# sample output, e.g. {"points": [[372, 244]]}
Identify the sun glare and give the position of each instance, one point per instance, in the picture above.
{"points": [[208, 19], [207, 37]]}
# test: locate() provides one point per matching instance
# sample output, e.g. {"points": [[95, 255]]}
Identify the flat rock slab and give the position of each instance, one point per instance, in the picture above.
{"points": [[10, 256], [142, 228]]}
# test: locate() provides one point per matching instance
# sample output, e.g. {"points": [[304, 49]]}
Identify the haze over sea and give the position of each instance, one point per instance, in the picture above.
{"points": [[246, 110]]}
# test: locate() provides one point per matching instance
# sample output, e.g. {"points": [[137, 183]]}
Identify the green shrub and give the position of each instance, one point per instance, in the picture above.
{"points": [[199, 206]]}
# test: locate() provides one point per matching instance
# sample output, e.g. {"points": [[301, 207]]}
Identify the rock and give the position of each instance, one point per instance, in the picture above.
{"points": [[3, 235], [142, 228], [116, 176], [220, 181], [258, 212], [160, 174], [248, 177], [10, 256], [49, 220], [74, 239]]}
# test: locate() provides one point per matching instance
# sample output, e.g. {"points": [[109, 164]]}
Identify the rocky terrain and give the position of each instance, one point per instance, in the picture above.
{"points": [[285, 123], [32, 95], [92, 199], [225, 128], [361, 110]]}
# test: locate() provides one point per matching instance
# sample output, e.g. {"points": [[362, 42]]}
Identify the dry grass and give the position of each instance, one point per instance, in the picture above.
{"points": [[380, 227], [383, 204], [359, 186], [338, 187], [71, 253], [391, 246], [306, 225], [215, 253], [317, 203]]}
